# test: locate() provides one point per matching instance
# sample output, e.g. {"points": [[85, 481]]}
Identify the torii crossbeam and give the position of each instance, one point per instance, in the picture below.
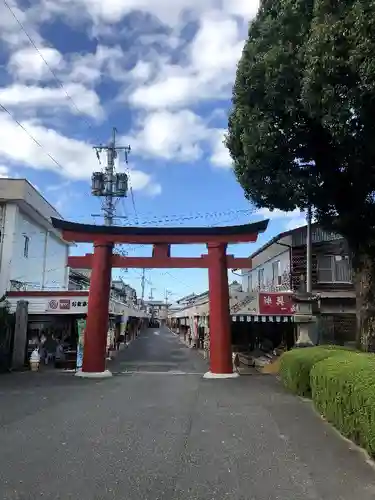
{"points": [[103, 260]]}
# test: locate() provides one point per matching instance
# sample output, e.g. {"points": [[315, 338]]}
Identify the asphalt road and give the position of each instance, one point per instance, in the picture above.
{"points": [[157, 430]]}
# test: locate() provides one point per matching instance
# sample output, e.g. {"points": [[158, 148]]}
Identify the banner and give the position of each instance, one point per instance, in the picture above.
{"points": [[276, 304], [81, 327]]}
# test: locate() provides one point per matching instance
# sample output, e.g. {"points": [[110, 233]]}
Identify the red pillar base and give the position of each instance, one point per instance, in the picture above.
{"points": [[95, 341], [221, 365]]}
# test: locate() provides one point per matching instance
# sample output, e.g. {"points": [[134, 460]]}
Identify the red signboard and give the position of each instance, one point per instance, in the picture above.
{"points": [[276, 304], [64, 304]]}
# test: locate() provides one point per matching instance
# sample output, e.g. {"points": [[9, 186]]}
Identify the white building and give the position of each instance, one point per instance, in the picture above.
{"points": [[124, 292], [157, 308], [271, 266], [33, 255]]}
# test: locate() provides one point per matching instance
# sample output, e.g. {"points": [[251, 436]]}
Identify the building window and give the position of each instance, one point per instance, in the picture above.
{"points": [[276, 273], [26, 246], [250, 283], [261, 279], [334, 269]]}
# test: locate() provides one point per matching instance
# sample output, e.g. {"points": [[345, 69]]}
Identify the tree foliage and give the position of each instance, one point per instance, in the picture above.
{"points": [[302, 125]]}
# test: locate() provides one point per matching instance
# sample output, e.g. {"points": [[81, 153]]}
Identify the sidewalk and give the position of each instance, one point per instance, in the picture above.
{"points": [[243, 369]]}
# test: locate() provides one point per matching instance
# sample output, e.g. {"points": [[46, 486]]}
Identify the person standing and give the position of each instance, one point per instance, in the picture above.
{"points": [[50, 347], [59, 354]]}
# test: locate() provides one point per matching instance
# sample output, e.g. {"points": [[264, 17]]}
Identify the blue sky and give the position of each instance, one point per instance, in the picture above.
{"points": [[161, 73]]}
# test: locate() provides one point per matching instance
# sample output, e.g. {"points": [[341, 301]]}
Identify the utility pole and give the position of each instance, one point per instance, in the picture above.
{"points": [[167, 295], [151, 296], [167, 292], [309, 250], [143, 280], [110, 185], [109, 206]]}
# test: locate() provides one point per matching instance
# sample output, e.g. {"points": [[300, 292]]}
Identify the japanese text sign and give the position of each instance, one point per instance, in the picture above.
{"points": [[276, 304]]}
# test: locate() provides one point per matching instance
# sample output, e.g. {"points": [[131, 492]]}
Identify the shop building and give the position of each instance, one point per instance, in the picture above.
{"points": [[262, 305], [280, 266], [33, 254], [46, 296]]}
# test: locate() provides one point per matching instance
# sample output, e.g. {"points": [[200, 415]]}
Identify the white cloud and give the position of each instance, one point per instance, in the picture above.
{"points": [[288, 220], [170, 13], [27, 65], [31, 97], [113, 11], [76, 158], [220, 156], [209, 73], [243, 8], [141, 72], [10, 31], [4, 172], [141, 181], [154, 189], [169, 135], [90, 68], [165, 91], [181, 135], [162, 74]]}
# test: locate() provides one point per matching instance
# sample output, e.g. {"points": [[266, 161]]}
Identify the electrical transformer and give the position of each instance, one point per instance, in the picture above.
{"points": [[97, 184], [121, 185]]}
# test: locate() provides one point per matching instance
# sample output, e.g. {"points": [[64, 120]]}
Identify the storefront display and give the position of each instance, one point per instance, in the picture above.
{"points": [[81, 327]]}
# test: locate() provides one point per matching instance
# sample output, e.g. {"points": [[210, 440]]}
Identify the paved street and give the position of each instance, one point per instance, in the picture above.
{"points": [[157, 430]]}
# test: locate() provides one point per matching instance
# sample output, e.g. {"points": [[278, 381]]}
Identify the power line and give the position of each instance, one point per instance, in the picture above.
{"points": [[167, 273], [193, 216], [133, 200], [58, 80], [31, 137], [132, 193], [203, 214]]}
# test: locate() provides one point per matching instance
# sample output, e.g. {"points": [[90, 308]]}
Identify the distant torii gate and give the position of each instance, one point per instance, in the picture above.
{"points": [[103, 260]]}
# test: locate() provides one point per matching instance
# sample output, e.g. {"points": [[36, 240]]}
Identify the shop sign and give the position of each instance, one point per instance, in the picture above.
{"points": [[64, 305], [276, 304], [78, 304], [81, 327], [244, 305]]}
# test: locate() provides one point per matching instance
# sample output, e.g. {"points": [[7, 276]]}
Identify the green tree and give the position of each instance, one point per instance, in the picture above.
{"points": [[302, 128]]}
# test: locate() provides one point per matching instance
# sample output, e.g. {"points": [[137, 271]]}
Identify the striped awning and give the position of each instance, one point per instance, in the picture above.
{"points": [[263, 319]]}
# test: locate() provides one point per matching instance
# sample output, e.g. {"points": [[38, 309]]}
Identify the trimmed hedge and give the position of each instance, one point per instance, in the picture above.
{"points": [[295, 366], [343, 391]]}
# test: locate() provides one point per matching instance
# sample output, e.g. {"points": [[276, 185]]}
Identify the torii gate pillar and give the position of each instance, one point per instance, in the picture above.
{"points": [[221, 365], [95, 340]]}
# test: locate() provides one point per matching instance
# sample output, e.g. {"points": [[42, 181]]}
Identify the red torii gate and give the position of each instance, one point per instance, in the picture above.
{"points": [[103, 260]]}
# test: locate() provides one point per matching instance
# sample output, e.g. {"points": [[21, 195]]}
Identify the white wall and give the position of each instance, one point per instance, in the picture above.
{"points": [[56, 270], [250, 279], [276, 251], [9, 215], [44, 266]]}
